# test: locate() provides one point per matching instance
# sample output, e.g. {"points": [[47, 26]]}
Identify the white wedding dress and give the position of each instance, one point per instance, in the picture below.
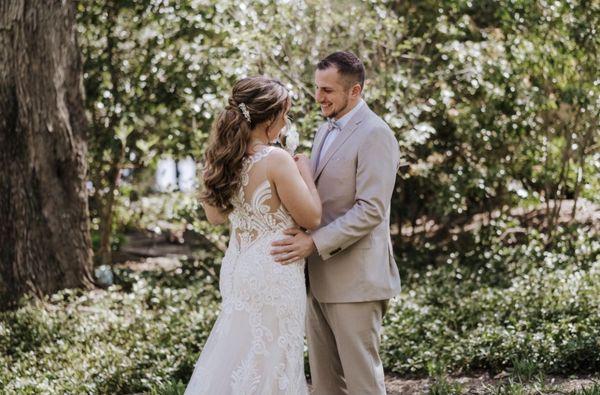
{"points": [[257, 343]]}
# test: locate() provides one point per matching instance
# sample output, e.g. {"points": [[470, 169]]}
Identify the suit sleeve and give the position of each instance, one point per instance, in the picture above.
{"points": [[377, 165]]}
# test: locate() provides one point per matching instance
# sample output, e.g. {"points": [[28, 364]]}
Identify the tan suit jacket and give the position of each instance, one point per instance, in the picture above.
{"points": [[355, 179]]}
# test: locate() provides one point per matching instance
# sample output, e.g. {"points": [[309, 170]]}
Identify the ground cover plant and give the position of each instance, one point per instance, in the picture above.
{"points": [[522, 307]]}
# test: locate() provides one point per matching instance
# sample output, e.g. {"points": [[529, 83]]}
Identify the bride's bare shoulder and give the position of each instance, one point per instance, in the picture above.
{"points": [[280, 163], [280, 155], [279, 152]]}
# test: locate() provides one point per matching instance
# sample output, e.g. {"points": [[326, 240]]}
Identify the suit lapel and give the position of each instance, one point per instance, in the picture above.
{"points": [[316, 148], [341, 138]]}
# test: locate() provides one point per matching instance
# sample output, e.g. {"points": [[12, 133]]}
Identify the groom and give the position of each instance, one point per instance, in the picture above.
{"points": [[351, 268]]}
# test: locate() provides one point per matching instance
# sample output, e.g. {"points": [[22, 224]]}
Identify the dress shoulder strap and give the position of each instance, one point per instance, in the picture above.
{"points": [[250, 160], [259, 155]]}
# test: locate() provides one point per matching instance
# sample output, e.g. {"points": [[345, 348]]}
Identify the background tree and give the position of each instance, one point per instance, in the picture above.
{"points": [[44, 227], [495, 105], [151, 72]]}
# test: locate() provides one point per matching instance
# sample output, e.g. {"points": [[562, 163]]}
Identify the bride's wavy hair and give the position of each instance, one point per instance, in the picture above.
{"points": [[264, 99]]}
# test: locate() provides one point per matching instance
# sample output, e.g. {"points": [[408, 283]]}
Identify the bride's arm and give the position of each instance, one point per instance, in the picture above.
{"points": [[296, 188]]}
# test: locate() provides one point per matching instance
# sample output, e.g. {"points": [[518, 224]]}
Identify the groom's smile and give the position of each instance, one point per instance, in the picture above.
{"points": [[325, 107]]}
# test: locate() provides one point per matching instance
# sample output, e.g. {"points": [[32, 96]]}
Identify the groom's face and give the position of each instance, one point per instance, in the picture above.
{"points": [[332, 92]]}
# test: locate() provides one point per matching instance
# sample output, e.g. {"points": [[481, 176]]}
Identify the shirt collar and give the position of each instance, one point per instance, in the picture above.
{"points": [[344, 120]]}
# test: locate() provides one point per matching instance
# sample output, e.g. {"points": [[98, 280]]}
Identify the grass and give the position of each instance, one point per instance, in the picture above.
{"points": [[508, 388], [442, 386], [526, 370]]}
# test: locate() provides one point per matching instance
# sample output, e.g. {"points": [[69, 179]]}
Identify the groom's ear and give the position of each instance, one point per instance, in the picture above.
{"points": [[356, 90]]}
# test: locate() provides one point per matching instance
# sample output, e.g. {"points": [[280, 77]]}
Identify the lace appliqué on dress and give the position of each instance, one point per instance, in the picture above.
{"points": [[256, 346], [253, 218]]}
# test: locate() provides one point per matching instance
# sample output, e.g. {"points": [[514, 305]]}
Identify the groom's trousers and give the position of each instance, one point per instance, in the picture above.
{"points": [[343, 347]]}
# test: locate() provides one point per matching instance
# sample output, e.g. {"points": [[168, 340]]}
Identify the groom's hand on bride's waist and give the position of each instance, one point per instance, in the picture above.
{"points": [[297, 245]]}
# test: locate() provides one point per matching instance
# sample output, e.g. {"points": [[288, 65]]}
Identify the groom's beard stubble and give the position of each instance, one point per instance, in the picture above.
{"points": [[335, 113]]}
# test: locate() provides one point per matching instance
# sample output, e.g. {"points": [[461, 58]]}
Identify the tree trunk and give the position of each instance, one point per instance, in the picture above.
{"points": [[44, 230]]}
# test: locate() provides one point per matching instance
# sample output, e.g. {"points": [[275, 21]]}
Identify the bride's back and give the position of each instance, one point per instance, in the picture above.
{"points": [[257, 208]]}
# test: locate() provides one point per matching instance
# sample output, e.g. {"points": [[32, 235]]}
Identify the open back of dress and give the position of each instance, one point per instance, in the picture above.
{"points": [[257, 209]]}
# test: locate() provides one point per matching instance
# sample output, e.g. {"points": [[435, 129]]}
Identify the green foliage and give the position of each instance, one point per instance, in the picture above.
{"points": [[525, 370], [145, 332], [492, 102], [155, 211], [493, 303], [169, 388], [524, 307], [508, 388], [441, 385]]}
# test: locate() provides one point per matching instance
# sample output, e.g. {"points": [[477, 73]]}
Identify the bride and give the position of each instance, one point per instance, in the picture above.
{"points": [[256, 345]]}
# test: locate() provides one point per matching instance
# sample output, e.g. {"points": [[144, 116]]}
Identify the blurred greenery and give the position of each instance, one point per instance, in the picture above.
{"points": [[495, 105]]}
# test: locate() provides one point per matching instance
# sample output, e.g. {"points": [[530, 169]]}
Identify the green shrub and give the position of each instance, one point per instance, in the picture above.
{"points": [[526, 306], [493, 303], [143, 333]]}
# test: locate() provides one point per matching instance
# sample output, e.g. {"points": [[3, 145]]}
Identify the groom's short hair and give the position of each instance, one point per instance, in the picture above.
{"points": [[347, 64]]}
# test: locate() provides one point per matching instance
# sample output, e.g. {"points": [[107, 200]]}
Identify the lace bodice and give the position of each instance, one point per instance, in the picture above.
{"points": [[256, 211]]}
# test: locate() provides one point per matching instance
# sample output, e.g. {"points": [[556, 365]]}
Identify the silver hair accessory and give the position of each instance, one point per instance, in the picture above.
{"points": [[245, 111]]}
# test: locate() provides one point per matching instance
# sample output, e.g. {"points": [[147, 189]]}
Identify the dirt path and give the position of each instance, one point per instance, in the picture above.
{"points": [[484, 384]]}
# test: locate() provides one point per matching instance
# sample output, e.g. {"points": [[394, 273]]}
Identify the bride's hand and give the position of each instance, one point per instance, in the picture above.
{"points": [[303, 163]]}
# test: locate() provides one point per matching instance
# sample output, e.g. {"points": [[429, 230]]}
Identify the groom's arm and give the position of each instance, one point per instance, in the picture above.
{"points": [[377, 165]]}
